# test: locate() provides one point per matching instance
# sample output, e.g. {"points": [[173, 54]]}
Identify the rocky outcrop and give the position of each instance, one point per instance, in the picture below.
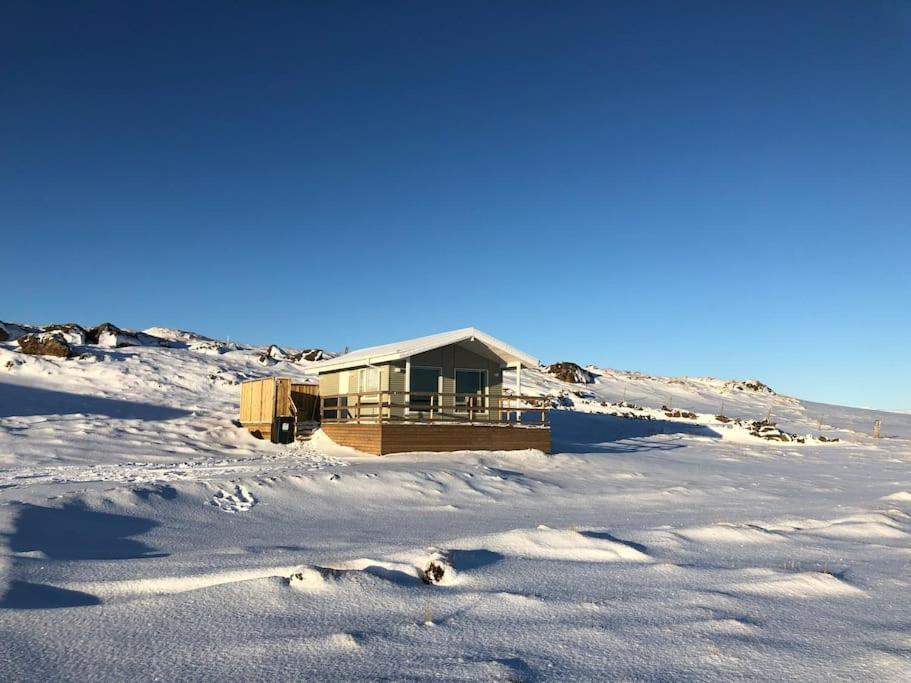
{"points": [[570, 372], [4, 335], [45, 344], [313, 354], [749, 385], [278, 353], [74, 334], [111, 336]]}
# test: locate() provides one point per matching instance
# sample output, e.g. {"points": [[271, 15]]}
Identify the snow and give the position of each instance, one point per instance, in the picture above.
{"points": [[143, 535], [411, 347]]}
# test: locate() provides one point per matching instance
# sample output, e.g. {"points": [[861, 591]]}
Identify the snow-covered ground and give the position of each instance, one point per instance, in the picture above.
{"points": [[144, 536]]}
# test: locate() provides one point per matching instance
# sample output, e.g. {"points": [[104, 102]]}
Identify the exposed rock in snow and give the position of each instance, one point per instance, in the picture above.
{"points": [[207, 347], [112, 336], [749, 385], [45, 344], [314, 355], [438, 568], [277, 353], [571, 372], [4, 335], [74, 334], [685, 414]]}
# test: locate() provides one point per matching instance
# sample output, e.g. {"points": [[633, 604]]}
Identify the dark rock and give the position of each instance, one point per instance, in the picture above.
{"points": [[678, 413], [307, 354], [571, 372], [45, 344], [4, 335], [73, 333], [111, 336], [749, 385]]}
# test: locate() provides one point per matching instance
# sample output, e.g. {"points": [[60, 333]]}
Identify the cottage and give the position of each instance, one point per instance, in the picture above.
{"points": [[443, 392]]}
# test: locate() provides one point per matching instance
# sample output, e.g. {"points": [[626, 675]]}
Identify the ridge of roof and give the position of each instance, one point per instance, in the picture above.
{"points": [[410, 347]]}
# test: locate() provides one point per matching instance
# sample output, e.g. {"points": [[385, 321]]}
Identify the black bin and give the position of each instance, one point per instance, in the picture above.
{"points": [[283, 430]]}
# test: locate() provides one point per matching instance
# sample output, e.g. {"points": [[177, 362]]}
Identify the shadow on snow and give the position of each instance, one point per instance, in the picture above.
{"points": [[71, 532], [21, 401], [574, 432]]}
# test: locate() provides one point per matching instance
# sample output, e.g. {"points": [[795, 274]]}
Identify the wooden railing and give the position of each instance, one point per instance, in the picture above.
{"points": [[414, 406]]}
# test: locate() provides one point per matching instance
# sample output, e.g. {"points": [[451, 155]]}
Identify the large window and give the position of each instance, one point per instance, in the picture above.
{"points": [[424, 388], [369, 382], [470, 389]]}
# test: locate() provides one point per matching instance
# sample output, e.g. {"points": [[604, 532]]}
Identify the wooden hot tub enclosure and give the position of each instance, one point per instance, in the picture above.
{"points": [[444, 392], [264, 400]]}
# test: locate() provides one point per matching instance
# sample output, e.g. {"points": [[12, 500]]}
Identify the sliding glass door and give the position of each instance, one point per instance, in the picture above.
{"points": [[471, 390], [425, 389]]}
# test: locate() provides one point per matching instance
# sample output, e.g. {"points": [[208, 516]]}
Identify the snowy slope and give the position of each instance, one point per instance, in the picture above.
{"points": [[145, 536]]}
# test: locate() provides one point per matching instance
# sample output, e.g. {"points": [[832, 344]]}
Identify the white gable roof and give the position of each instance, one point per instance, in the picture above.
{"points": [[410, 347]]}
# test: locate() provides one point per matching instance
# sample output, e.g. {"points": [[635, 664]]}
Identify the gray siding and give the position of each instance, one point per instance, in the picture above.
{"points": [[458, 356], [448, 358]]}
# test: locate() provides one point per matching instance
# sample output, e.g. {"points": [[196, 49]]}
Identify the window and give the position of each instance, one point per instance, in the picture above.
{"points": [[424, 388], [369, 380], [470, 389]]}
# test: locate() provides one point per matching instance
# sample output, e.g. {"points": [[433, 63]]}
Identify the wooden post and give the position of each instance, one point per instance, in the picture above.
{"points": [[877, 428]]}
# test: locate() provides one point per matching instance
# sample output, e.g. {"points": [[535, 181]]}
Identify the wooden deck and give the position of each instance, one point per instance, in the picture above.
{"points": [[385, 438]]}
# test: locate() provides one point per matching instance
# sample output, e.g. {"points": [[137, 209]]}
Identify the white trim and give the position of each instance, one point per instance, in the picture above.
{"points": [[407, 385]]}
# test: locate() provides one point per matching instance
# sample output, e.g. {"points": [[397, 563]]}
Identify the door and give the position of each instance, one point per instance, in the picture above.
{"points": [[471, 390]]}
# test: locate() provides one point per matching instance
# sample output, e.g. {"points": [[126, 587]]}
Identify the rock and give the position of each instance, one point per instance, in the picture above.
{"points": [[266, 359], [437, 569], [749, 385], [279, 353], [111, 336], [669, 412], [73, 334], [4, 335], [45, 344], [207, 347], [570, 372]]}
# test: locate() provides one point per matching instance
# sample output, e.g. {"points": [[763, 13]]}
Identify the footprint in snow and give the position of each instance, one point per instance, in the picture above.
{"points": [[238, 500]]}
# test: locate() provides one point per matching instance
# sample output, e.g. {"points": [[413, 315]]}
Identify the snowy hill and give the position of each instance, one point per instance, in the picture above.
{"points": [[657, 541]]}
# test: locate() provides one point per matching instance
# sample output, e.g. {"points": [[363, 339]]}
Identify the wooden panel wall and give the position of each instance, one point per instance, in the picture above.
{"points": [[402, 438], [257, 400], [364, 438]]}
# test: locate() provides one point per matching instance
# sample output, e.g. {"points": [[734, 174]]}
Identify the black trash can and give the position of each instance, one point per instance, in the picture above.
{"points": [[283, 430]]}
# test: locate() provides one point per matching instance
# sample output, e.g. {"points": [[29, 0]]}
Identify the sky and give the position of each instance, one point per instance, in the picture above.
{"points": [[700, 188]]}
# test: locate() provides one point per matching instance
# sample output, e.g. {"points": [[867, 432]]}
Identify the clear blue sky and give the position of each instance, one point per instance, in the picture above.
{"points": [[679, 188]]}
